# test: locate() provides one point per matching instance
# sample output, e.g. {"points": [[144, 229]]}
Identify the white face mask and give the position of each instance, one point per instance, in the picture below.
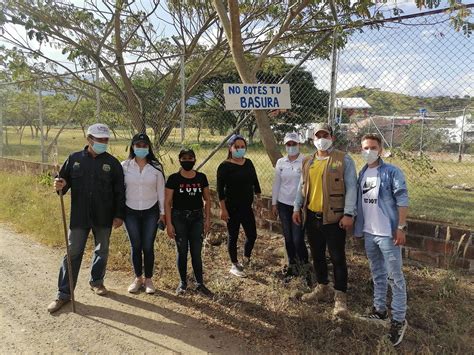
{"points": [[293, 150], [322, 143], [370, 156]]}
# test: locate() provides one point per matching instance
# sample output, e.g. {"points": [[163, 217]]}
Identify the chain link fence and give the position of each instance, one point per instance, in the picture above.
{"points": [[411, 81]]}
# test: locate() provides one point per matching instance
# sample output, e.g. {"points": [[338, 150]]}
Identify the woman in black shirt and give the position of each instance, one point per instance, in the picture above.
{"points": [[185, 222], [237, 183]]}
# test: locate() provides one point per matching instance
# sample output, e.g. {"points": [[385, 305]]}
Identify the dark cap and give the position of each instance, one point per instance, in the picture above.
{"points": [[187, 151], [235, 137], [141, 137], [321, 126]]}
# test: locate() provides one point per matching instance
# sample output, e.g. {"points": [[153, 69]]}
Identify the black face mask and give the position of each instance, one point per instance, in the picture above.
{"points": [[187, 165]]}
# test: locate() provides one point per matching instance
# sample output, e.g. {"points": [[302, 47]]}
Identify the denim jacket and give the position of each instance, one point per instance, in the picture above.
{"points": [[350, 181], [393, 193]]}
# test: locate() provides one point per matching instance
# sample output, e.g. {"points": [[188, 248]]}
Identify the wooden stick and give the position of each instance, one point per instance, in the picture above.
{"points": [[68, 254]]}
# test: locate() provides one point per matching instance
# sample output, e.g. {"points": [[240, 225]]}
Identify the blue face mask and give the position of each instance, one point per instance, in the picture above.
{"points": [[99, 148], [141, 152], [292, 150], [238, 153]]}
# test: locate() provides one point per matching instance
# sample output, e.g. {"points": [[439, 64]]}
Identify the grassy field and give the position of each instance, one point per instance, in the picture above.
{"points": [[263, 309], [431, 193]]}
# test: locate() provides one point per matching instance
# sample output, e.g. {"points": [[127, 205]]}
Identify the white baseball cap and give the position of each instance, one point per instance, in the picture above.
{"points": [[291, 137], [99, 130]]}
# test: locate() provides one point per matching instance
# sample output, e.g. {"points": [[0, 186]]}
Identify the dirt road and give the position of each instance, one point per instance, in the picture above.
{"points": [[117, 323]]}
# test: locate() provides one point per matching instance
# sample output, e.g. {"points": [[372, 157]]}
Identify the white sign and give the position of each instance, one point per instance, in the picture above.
{"points": [[257, 96]]}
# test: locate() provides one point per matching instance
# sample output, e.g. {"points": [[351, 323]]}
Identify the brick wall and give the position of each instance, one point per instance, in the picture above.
{"points": [[426, 241]]}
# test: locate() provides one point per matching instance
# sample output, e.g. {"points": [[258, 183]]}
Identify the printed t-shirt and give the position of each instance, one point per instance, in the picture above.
{"points": [[187, 193], [375, 222]]}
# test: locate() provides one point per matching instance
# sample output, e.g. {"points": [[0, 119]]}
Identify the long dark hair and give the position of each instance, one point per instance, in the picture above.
{"points": [[232, 141], [150, 158]]}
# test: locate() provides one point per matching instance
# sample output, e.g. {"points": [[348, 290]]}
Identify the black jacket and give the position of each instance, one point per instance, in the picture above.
{"points": [[97, 189]]}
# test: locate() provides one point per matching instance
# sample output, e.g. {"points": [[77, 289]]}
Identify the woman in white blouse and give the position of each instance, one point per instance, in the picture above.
{"points": [[287, 177], [145, 193]]}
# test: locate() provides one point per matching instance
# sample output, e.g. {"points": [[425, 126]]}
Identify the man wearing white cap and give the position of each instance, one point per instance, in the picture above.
{"points": [[97, 203], [287, 177]]}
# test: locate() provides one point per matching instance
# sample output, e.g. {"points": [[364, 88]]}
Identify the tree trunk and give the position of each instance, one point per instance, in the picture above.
{"points": [[32, 132], [199, 129], [22, 129], [232, 29]]}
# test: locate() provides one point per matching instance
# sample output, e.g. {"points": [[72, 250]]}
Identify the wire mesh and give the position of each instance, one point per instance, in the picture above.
{"points": [[409, 81]]}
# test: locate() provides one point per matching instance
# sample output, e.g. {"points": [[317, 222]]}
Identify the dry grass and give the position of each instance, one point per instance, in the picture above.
{"points": [[431, 196], [263, 308]]}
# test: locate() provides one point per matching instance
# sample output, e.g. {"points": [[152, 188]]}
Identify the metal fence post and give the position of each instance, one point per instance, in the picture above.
{"points": [[183, 99], [97, 92], [461, 140], [40, 116]]}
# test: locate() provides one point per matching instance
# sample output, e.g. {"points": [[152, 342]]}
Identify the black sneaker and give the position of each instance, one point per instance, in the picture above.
{"points": [[181, 290], [204, 291], [397, 331], [375, 315]]}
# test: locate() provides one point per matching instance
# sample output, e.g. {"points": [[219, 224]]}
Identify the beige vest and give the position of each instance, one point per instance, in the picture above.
{"points": [[333, 187]]}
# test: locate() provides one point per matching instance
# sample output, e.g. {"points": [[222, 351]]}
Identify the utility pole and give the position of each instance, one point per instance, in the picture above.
{"points": [[40, 114], [183, 89], [332, 95], [97, 93], [183, 98]]}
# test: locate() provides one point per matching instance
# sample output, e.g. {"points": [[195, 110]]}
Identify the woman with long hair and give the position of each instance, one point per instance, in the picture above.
{"points": [[188, 213], [145, 195], [237, 183]]}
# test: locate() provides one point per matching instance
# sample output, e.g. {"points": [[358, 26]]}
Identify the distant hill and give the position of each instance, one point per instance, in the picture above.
{"points": [[388, 103]]}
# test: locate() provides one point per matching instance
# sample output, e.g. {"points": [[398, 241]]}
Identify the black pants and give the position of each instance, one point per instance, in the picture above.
{"points": [[319, 235], [241, 215]]}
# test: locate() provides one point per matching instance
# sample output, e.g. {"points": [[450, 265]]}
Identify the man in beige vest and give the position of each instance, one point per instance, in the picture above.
{"points": [[326, 205]]}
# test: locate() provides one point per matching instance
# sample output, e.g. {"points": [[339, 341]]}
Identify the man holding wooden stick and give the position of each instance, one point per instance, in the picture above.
{"points": [[97, 204]]}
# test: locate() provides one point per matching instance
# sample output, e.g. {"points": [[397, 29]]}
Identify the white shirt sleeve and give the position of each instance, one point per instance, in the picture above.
{"points": [[276, 183], [161, 192]]}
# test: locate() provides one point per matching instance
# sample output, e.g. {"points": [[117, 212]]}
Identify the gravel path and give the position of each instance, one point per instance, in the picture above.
{"points": [[116, 323]]}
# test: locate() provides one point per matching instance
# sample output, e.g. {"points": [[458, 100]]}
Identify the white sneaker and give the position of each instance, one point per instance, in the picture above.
{"points": [[149, 288], [136, 285], [237, 270]]}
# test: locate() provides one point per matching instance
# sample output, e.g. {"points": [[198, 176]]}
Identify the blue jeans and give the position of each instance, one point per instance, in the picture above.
{"points": [[385, 259], [141, 227], [189, 228], [77, 241], [294, 236]]}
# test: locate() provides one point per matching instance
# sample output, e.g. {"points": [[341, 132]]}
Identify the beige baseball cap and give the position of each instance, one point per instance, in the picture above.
{"points": [[322, 126]]}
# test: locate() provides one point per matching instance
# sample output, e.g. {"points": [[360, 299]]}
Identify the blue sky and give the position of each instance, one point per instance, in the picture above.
{"points": [[426, 60]]}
